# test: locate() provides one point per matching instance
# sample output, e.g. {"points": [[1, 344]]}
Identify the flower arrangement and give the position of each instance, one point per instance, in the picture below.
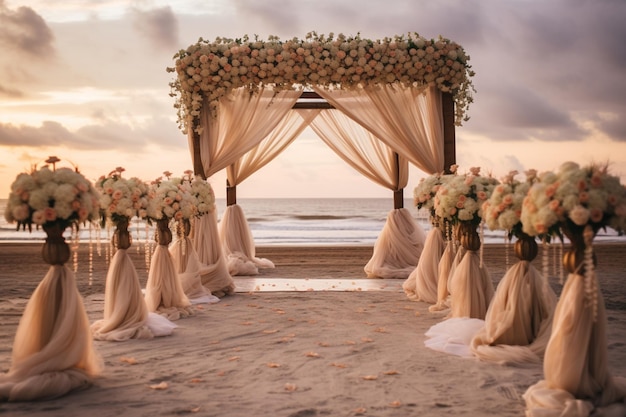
{"points": [[503, 209], [121, 199], [47, 197], [581, 195], [425, 191], [203, 192], [210, 70], [171, 198], [460, 199]]}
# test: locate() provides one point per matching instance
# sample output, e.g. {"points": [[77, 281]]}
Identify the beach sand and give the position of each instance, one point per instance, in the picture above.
{"points": [[270, 352]]}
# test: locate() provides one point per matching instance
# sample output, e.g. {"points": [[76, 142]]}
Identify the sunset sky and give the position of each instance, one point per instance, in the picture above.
{"points": [[86, 80]]}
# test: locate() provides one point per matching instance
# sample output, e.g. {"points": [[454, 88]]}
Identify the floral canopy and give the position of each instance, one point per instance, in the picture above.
{"points": [[211, 70], [391, 102]]}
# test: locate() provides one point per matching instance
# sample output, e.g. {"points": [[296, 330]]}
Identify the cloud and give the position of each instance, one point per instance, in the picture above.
{"points": [[107, 135], [159, 26], [10, 92], [25, 31]]}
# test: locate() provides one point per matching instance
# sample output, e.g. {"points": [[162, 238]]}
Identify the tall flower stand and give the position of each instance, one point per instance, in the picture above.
{"points": [[164, 292], [421, 285], [518, 321], [53, 352], [125, 311], [206, 241], [443, 269], [577, 380], [470, 284], [188, 266]]}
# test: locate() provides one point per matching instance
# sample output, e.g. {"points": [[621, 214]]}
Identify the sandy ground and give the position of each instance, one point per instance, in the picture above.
{"points": [[292, 353]]}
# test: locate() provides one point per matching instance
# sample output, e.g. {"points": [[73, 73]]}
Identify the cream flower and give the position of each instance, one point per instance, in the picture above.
{"points": [[587, 195], [206, 70], [44, 196]]}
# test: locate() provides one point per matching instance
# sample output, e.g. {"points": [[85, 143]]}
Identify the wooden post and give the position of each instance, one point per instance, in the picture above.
{"points": [[398, 199], [398, 195], [231, 194], [449, 139], [198, 169]]}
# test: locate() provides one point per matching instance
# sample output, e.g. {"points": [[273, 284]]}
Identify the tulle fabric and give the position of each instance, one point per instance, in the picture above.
{"points": [[518, 321], [189, 270], [577, 381], [238, 243], [453, 336], [443, 272], [471, 288], [53, 351], [205, 238], [398, 247], [421, 285], [164, 293], [125, 310]]}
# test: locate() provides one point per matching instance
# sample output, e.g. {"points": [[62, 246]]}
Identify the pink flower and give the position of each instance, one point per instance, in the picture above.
{"points": [[583, 196], [50, 214], [554, 205], [117, 195], [596, 215]]}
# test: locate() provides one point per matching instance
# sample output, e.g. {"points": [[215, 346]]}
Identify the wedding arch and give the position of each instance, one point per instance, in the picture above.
{"points": [[379, 104]]}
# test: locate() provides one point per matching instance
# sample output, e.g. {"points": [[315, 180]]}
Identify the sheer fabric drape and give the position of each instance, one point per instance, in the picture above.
{"points": [[206, 242], [235, 234], [125, 310], [410, 122], [53, 352], [577, 381], [164, 291], [398, 247], [407, 119], [241, 120], [190, 270], [421, 285], [519, 318]]}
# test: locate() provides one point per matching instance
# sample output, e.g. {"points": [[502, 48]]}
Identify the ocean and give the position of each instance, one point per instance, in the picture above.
{"points": [[285, 222]]}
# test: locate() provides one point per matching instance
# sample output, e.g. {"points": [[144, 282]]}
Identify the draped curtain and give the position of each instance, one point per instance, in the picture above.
{"points": [[235, 234], [398, 247], [409, 120], [242, 119]]}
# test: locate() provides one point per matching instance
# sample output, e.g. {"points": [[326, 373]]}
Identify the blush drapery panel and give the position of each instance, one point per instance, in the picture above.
{"points": [[398, 247], [407, 119], [410, 121], [235, 234], [242, 119]]}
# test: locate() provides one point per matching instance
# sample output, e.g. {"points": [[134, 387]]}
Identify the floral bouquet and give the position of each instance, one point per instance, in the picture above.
{"points": [[48, 197], [203, 192], [503, 210], [460, 199], [171, 198], [122, 199], [574, 196]]}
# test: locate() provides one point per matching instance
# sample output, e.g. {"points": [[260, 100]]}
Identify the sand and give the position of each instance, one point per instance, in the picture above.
{"points": [[270, 352]]}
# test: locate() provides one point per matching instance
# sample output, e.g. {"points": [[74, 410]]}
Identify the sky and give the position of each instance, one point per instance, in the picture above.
{"points": [[86, 81]]}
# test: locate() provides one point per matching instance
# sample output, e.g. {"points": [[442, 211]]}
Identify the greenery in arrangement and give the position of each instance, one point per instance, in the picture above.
{"points": [[207, 71]]}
